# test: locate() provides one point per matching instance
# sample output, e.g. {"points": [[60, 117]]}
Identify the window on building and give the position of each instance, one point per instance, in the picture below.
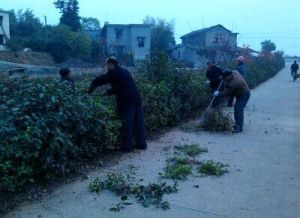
{"points": [[119, 33], [141, 42], [216, 40], [1, 20], [1, 40]]}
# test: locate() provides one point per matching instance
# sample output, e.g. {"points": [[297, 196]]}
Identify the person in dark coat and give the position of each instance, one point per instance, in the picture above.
{"points": [[129, 103], [294, 70], [213, 75], [65, 77], [243, 69], [236, 86]]}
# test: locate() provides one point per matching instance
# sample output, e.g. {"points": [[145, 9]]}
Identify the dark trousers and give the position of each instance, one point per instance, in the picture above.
{"points": [[294, 75], [241, 102], [133, 127], [230, 101]]}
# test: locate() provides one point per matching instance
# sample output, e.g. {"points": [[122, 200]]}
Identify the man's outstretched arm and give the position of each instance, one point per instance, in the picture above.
{"points": [[98, 81]]}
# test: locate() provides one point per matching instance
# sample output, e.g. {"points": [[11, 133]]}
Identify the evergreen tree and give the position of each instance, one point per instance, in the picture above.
{"points": [[162, 33], [70, 13]]}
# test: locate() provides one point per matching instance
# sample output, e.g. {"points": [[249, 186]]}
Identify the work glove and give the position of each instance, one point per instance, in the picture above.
{"points": [[216, 93]]}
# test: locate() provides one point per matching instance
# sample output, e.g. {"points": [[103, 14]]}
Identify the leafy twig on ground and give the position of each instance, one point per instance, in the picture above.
{"points": [[191, 149], [151, 194], [117, 208], [178, 168], [96, 185], [210, 167]]}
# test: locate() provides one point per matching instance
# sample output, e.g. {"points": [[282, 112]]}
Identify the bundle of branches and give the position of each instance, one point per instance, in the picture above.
{"points": [[217, 121]]}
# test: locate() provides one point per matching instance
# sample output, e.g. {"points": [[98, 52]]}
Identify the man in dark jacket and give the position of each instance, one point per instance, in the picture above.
{"points": [[294, 70], [236, 86], [129, 102], [213, 74]]}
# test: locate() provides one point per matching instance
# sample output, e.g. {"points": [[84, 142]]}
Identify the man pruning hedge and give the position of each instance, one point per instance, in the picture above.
{"points": [[129, 102], [236, 86]]}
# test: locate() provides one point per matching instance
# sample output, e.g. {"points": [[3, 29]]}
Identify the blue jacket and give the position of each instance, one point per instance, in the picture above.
{"points": [[243, 69]]}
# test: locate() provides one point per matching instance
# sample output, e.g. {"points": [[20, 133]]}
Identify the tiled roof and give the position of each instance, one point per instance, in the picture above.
{"points": [[205, 30]]}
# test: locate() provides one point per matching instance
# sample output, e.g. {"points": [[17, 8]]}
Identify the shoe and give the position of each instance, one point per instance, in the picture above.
{"points": [[141, 147], [126, 150], [235, 131]]}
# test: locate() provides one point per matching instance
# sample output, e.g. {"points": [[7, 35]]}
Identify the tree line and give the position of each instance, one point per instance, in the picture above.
{"points": [[69, 39]]}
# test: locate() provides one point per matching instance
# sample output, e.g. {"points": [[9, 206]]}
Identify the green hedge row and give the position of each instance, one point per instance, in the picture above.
{"points": [[46, 129], [263, 68]]}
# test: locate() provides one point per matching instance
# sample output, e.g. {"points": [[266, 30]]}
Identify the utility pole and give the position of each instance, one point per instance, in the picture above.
{"points": [[45, 20]]}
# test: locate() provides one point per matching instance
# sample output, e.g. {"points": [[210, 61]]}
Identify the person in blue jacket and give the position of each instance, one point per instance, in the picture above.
{"points": [[243, 69]]}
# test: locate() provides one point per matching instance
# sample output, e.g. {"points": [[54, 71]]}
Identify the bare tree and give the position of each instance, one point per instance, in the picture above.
{"points": [[223, 50]]}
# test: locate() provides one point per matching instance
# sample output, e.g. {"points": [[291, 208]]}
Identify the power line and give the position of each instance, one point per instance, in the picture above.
{"points": [[268, 36], [283, 33]]}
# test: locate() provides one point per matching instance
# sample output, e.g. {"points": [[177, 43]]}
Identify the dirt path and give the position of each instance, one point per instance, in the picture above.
{"points": [[264, 177]]}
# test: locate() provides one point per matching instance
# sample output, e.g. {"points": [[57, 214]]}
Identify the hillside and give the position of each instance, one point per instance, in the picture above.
{"points": [[31, 58]]}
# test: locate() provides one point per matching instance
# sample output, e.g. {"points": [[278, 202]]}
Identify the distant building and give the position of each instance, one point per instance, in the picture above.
{"points": [[132, 39], [4, 29], [197, 47]]}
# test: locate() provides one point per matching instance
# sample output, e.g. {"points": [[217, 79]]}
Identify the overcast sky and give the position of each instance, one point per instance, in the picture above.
{"points": [[255, 20]]}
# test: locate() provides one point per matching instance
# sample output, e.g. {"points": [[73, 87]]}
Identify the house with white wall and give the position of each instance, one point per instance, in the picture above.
{"points": [[132, 39], [197, 47], [4, 29]]}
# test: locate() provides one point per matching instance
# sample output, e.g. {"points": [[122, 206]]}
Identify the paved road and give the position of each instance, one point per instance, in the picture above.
{"points": [[264, 177]]}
